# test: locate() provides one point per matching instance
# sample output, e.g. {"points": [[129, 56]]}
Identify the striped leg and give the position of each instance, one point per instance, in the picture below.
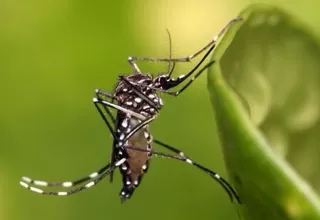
{"points": [[213, 41], [119, 108], [227, 187], [78, 189], [66, 184], [213, 174]]}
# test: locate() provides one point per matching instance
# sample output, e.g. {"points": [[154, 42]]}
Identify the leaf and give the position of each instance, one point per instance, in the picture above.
{"points": [[265, 89]]}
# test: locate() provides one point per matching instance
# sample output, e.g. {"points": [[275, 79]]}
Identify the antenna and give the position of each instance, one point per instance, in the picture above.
{"points": [[170, 68]]}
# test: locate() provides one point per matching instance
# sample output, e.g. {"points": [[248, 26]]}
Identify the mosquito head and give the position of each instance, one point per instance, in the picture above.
{"points": [[162, 82]]}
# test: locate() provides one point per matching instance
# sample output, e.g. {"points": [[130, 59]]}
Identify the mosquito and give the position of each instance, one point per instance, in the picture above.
{"points": [[137, 103]]}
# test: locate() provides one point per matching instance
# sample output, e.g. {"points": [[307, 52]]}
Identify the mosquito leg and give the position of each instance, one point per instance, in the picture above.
{"points": [[227, 187], [96, 104], [119, 108], [190, 57], [27, 180], [75, 190], [100, 94], [134, 65], [177, 151], [65, 183], [192, 79], [111, 129]]}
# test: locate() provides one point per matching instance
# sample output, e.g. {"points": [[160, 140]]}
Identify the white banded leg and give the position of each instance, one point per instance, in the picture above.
{"points": [[213, 41], [212, 173], [119, 108], [227, 187], [66, 184], [78, 189]]}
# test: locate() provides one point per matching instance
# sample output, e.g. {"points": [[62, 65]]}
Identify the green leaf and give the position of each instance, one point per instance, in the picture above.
{"points": [[265, 89]]}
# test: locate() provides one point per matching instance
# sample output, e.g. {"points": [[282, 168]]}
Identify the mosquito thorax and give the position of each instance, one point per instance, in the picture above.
{"points": [[140, 96]]}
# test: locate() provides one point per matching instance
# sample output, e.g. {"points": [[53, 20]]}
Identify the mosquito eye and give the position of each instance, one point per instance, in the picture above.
{"points": [[164, 83]]}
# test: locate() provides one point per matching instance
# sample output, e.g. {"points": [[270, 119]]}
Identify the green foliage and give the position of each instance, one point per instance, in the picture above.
{"points": [[265, 92]]}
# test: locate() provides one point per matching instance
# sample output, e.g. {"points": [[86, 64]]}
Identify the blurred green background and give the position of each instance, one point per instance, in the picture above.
{"points": [[53, 54]]}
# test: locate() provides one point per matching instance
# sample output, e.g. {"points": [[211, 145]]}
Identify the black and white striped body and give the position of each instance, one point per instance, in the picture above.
{"points": [[127, 96], [137, 162]]}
